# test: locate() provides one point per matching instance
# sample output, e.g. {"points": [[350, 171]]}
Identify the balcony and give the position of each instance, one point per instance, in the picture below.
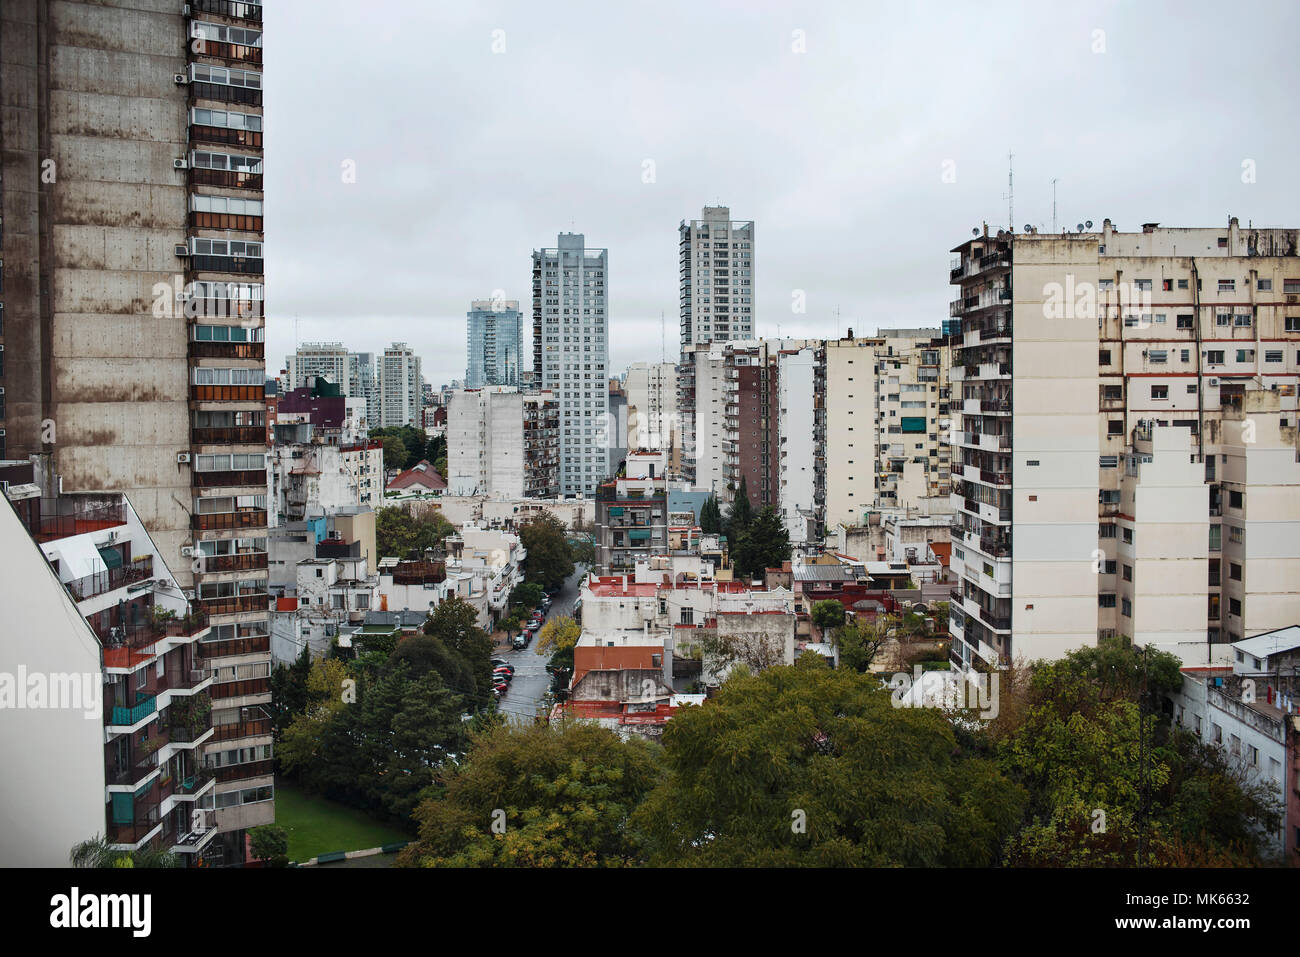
{"points": [[236, 9], [127, 645], [220, 521], [228, 393], [242, 222], [240, 688], [225, 178], [240, 265], [224, 136], [229, 435], [63, 518], [235, 604], [203, 826], [227, 350], [254, 722], [229, 647], [131, 833], [122, 717], [224, 93], [88, 586], [232, 52], [247, 561], [242, 772], [233, 478]]}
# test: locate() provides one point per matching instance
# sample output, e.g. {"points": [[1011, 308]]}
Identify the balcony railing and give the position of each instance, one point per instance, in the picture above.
{"points": [[242, 265], [63, 518], [242, 222], [256, 726], [240, 772], [233, 563], [226, 178], [126, 715], [228, 393], [229, 647], [224, 136], [240, 688], [235, 604], [229, 434], [228, 350], [217, 521], [139, 569], [234, 52], [232, 478], [142, 635], [132, 833], [237, 9], [223, 93]]}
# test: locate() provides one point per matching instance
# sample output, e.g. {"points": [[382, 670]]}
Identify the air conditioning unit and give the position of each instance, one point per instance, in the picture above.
{"points": [[181, 79], [1292, 300], [185, 10], [182, 251], [181, 163], [182, 458], [187, 551], [1214, 382]]}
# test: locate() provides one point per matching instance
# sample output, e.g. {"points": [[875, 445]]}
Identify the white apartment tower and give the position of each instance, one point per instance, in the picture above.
{"points": [[571, 354], [1120, 397], [716, 279], [400, 386]]}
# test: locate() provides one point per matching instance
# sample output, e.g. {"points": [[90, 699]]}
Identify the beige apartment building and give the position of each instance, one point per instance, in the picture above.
{"points": [[887, 412], [1167, 357]]}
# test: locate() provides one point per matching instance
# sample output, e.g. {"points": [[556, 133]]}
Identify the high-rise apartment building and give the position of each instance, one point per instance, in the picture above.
{"points": [[329, 360], [716, 279], [401, 387], [887, 409], [494, 343], [133, 225], [571, 354], [651, 389], [1126, 457], [503, 443]]}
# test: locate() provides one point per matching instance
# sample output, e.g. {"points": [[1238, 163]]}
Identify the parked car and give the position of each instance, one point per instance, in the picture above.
{"points": [[504, 674], [496, 662], [520, 642]]}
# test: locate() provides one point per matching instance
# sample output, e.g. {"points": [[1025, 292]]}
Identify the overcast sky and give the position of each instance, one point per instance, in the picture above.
{"points": [[862, 159]]}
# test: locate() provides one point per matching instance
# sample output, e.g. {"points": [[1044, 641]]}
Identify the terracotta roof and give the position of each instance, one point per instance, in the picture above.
{"points": [[422, 474]]}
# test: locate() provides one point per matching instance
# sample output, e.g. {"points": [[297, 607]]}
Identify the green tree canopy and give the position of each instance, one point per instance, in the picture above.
{"points": [[711, 516], [806, 766], [537, 796], [764, 543], [741, 512], [549, 560], [398, 532]]}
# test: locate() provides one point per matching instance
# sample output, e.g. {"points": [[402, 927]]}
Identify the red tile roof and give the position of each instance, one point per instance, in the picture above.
{"points": [[423, 474]]}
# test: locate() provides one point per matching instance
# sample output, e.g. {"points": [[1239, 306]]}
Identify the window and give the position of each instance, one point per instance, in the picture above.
{"points": [[1191, 388], [1234, 571], [1108, 462], [1214, 357], [1114, 427], [1142, 285], [1264, 285], [1128, 573], [1106, 600], [1227, 285], [1183, 322], [1103, 356], [1160, 392], [1126, 609], [1272, 355], [688, 616], [1126, 535], [1158, 356], [1235, 498]]}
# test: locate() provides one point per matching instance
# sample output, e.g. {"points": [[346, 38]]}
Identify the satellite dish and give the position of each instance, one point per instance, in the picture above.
{"points": [[1088, 224], [1028, 228], [975, 231], [1002, 233], [1080, 227]]}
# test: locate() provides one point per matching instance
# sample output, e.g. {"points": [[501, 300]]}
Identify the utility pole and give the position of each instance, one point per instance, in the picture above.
{"points": [[1011, 208], [1054, 205]]}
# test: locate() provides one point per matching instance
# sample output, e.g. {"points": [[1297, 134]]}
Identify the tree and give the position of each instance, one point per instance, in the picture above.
{"points": [[270, 843], [549, 560], [802, 765], [99, 853], [398, 532], [289, 690], [711, 516], [858, 642], [527, 594], [741, 512], [1080, 743], [395, 454], [424, 653], [436, 449], [455, 623], [540, 796], [414, 443], [763, 544], [559, 634], [828, 615]]}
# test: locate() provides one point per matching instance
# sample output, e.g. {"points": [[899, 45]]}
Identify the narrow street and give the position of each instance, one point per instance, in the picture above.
{"points": [[521, 701]]}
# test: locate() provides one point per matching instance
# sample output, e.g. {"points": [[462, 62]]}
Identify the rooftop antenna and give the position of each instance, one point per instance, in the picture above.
{"points": [[1054, 182], [1011, 209]]}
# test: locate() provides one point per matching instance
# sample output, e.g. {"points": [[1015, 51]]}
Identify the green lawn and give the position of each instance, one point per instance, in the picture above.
{"points": [[317, 826]]}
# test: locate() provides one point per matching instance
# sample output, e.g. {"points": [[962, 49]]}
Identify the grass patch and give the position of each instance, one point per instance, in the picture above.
{"points": [[318, 826]]}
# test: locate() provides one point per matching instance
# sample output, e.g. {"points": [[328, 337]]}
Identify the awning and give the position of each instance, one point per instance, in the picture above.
{"points": [[111, 556]]}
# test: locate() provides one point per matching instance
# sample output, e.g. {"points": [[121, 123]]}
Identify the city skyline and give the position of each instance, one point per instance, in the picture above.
{"points": [[850, 193]]}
